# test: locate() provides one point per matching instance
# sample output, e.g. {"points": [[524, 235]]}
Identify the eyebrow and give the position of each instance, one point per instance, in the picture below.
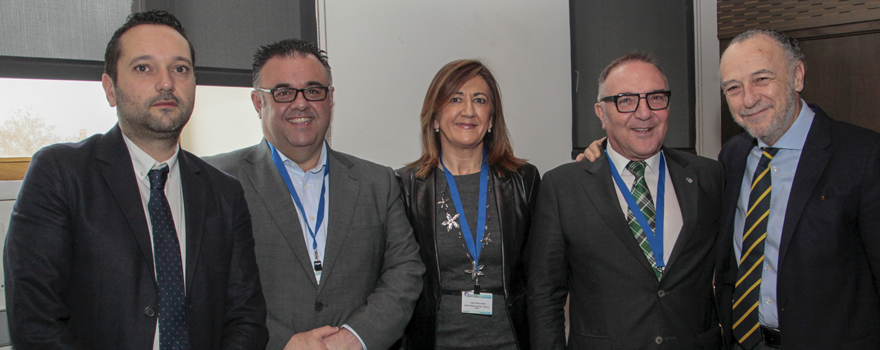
{"points": [[309, 84], [149, 57], [475, 94], [639, 93], [724, 84]]}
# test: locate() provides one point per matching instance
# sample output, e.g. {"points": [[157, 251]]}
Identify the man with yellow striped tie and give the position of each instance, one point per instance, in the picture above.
{"points": [[799, 252]]}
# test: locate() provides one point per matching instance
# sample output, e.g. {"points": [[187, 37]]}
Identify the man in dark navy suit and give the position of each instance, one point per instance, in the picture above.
{"points": [[804, 272], [125, 241]]}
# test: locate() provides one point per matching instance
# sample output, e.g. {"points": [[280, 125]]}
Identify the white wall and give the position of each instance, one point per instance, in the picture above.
{"points": [[385, 53]]}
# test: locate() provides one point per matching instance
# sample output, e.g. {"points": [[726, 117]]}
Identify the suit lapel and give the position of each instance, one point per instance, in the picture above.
{"points": [[686, 186], [269, 185], [734, 172], [194, 197], [118, 171], [814, 157], [599, 187], [344, 188]]}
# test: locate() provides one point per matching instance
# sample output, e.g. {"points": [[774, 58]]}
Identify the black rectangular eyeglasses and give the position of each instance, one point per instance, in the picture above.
{"points": [[628, 103], [288, 94]]}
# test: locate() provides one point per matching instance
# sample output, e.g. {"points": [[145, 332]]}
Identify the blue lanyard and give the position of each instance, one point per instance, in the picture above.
{"points": [[286, 176], [472, 245], [655, 239]]}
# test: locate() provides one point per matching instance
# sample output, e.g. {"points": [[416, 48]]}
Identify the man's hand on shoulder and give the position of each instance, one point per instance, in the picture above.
{"points": [[313, 339], [343, 340], [593, 152]]}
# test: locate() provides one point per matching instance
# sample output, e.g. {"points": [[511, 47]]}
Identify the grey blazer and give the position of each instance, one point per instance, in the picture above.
{"points": [[372, 273], [580, 244]]}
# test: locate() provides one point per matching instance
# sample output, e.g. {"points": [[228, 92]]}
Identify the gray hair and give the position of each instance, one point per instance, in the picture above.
{"points": [[789, 45], [630, 57]]}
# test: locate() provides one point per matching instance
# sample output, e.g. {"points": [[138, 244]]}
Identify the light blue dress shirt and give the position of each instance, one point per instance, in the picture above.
{"points": [[782, 171], [308, 188]]}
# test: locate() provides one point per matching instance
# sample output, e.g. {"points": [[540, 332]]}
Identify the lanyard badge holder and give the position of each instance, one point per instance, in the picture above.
{"points": [[473, 302], [318, 267]]}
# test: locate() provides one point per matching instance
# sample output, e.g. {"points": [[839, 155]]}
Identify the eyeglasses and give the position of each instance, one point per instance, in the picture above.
{"points": [[628, 103], [288, 94]]}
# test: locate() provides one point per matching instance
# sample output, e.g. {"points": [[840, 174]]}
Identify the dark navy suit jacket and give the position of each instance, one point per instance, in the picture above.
{"points": [[79, 263], [829, 255]]}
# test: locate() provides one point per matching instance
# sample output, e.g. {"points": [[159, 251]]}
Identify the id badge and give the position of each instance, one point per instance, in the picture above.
{"points": [[477, 304]]}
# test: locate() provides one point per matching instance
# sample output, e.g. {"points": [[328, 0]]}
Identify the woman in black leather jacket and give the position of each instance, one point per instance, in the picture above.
{"points": [[466, 153]]}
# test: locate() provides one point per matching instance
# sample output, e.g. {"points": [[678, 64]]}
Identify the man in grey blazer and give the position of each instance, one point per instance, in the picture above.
{"points": [[638, 270], [353, 264]]}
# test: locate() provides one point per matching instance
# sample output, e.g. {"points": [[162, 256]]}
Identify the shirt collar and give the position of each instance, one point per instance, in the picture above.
{"points": [[322, 161], [796, 135], [620, 162], [143, 162]]}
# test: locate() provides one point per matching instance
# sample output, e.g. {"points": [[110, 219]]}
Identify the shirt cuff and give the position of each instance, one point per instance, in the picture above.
{"points": [[364, 346]]}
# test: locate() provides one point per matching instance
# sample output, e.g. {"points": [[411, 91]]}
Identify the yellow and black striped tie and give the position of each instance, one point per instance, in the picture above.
{"points": [[746, 295]]}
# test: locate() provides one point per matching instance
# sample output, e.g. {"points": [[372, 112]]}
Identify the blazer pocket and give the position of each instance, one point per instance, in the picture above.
{"points": [[867, 341], [585, 341]]}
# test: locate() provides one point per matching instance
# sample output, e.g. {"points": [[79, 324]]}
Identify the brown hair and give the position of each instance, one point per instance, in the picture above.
{"points": [[446, 83]]}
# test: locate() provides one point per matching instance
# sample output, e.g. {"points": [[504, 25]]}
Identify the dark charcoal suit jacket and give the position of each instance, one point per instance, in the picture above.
{"points": [[580, 244], [829, 256], [79, 261]]}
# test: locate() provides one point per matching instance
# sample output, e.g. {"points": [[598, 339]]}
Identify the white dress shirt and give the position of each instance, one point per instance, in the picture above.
{"points": [[143, 163], [672, 220]]}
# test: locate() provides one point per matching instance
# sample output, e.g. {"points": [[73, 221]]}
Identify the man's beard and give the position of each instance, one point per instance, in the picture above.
{"points": [[778, 124], [141, 123]]}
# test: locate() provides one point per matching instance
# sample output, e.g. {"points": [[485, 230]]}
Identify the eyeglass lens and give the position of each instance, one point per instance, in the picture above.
{"points": [[315, 93], [630, 103]]}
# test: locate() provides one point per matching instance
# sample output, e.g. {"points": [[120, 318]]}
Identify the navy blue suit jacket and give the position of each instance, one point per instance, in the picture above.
{"points": [[79, 261], [829, 255]]}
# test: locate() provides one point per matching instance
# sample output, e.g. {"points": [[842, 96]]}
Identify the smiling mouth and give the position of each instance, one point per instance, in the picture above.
{"points": [[300, 120], [466, 126], [642, 130], [749, 114]]}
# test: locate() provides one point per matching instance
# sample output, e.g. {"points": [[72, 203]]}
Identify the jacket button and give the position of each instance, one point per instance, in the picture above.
{"points": [[149, 312], [661, 293], [658, 340], [319, 306]]}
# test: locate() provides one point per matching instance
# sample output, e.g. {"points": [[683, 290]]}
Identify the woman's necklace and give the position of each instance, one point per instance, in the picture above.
{"points": [[452, 222]]}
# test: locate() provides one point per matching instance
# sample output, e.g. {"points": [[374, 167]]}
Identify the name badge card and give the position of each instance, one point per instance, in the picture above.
{"points": [[477, 304]]}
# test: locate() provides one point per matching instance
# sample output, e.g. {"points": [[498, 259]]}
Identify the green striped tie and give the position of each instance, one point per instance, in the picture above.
{"points": [[643, 197], [747, 291]]}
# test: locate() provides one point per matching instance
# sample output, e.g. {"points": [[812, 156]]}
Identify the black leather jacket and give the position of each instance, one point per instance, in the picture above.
{"points": [[515, 196]]}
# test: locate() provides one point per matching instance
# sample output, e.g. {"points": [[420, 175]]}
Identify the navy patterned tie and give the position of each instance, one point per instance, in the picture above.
{"points": [[169, 268], [747, 291]]}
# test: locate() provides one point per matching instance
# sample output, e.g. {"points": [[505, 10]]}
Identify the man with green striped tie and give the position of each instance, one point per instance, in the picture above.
{"points": [[629, 235]]}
